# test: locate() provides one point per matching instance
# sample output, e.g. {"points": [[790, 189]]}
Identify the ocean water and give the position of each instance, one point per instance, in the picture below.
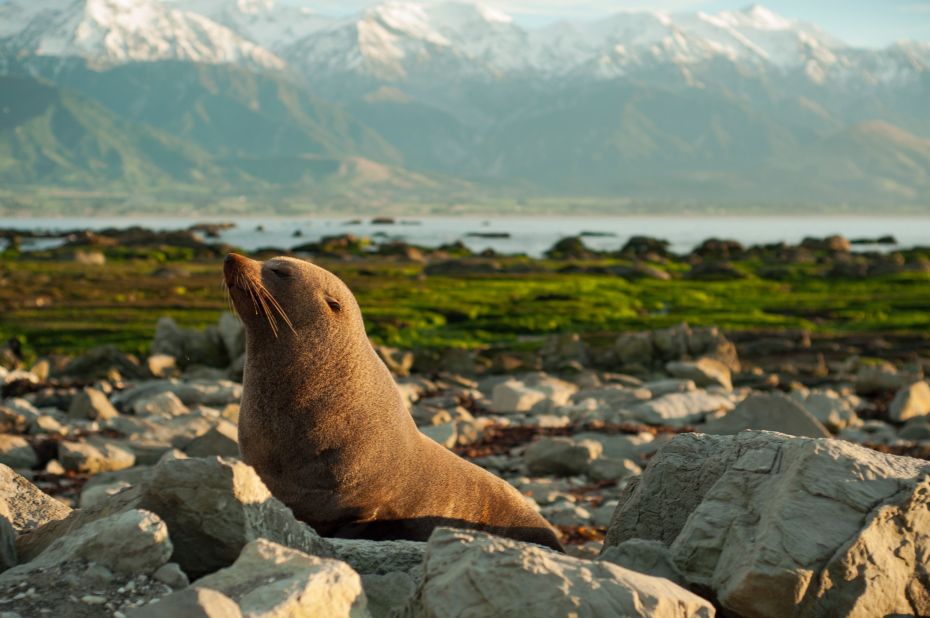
{"points": [[531, 235]]}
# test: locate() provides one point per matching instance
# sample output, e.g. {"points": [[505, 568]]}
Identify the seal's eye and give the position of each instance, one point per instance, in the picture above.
{"points": [[333, 304], [281, 273]]}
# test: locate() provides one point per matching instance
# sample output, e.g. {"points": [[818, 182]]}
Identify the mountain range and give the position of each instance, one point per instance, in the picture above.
{"points": [[451, 102]]}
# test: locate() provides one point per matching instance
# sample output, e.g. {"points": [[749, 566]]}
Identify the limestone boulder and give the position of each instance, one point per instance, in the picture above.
{"points": [[134, 541], [468, 573], [213, 507], [270, 580], [777, 525], [24, 504]]}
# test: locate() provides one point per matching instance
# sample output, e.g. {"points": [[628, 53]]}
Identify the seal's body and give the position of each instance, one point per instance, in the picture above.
{"points": [[325, 427]]}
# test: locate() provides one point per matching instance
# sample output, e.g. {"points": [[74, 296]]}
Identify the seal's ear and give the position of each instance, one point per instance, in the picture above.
{"points": [[333, 304]]}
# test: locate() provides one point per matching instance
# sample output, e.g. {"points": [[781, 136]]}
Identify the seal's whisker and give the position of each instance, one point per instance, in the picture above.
{"points": [[276, 306]]}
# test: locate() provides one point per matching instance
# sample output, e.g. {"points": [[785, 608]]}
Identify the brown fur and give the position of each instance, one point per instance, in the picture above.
{"points": [[324, 425]]}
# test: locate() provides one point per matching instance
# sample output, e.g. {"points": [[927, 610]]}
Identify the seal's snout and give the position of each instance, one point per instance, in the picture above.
{"points": [[233, 267]]}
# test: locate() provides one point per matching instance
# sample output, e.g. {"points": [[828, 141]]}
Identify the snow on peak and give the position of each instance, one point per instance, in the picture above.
{"points": [[107, 32], [255, 7]]}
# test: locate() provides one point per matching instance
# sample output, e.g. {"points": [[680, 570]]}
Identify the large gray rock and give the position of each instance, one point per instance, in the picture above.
{"points": [[24, 504], [379, 557], [513, 396], [877, 376], [469, 573], [213, 507], [910, 402], [89, 403], [269, 580], [561, 456], [770, 412], [190, 603], [783, 526], [16, 452], [134, 541], [390, 570]]}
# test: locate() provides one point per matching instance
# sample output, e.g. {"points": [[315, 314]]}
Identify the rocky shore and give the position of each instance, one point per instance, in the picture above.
{"points": [[122, 494]]}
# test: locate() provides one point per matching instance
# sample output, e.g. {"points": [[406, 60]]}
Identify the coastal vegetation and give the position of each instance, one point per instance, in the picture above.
{"points": [[94, 291]]}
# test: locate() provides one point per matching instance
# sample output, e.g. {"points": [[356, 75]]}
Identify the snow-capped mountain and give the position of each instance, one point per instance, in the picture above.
{"points": [[113, 32], [271, 24]]}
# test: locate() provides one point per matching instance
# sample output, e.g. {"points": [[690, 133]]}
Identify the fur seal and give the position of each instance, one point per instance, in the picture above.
{"points": [[323, 424]]}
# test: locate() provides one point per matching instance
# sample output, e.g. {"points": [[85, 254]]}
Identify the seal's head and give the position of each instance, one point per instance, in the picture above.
{"points": [[284, 299]]}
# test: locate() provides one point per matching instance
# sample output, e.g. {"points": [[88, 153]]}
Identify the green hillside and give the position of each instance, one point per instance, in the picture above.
{"points": [[49, 135]]}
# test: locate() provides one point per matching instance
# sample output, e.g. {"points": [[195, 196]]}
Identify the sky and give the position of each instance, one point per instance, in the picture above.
{"points": [[868, 23]]}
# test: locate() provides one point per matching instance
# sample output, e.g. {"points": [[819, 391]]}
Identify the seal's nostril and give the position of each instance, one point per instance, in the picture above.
{"points": [[229, 258]]}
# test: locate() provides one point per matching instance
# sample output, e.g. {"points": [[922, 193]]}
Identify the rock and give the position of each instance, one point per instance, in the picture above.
{"points": [[679, 409], [565, 513], [398, 362], [24, 504], [514, 396], [771, 412], [387, 593], [172, 575], [468, 573], [213, 507], [161, 365], [659, 388], [877, 376], [916, 429], [444, 434], [620, 446], [269, 580], [192, 392], [779, 526], [232, 334], [910, 402], [190, 346], [379, 557], [134, 541], [643, 556], [190, 603], [99, 363], [610, 469], [165, 404], [89, 403], [634, 349], [94, 457], [16, 452], [704, 372], [12, 421], [222, 440], [92, 496], [561, 456], [829, 408], [8, 558]]}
